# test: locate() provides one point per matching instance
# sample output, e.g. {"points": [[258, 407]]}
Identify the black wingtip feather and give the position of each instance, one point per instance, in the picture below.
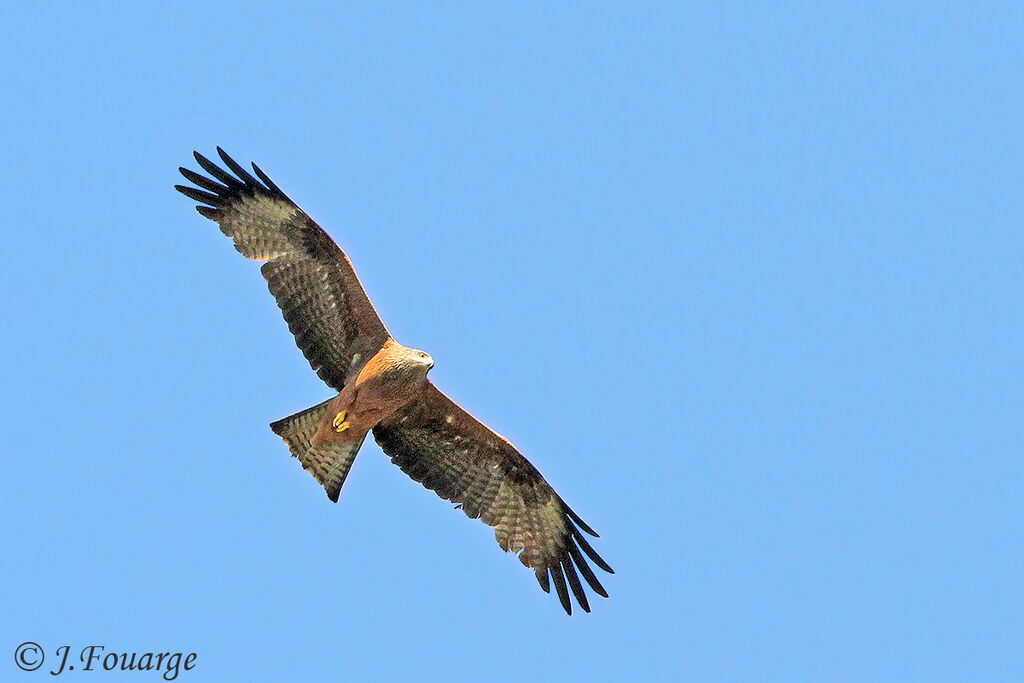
{"points": [[563, 593], [591, 553], [199, 195], [267, 181], [585, 569], [237, 169], [225, 185], [218, 173], [202, 181], [574, 583], [576, 518], [209, 212], [542, 579]]}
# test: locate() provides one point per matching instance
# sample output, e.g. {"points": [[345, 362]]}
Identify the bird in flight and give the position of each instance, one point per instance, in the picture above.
{"points": [[383, 387]]}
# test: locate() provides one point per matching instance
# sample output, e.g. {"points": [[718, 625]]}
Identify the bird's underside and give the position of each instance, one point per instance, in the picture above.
{"points": [[383, 387], [392, 378]]}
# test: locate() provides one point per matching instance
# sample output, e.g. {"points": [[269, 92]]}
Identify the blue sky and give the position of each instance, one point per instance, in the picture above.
{"points": [[743, 283]]}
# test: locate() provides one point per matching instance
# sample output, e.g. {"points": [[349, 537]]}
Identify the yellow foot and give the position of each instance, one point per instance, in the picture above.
{"points": [[340, 424]]}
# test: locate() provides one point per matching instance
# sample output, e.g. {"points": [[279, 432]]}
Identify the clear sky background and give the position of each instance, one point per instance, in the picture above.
{"points": [[744, 284]]}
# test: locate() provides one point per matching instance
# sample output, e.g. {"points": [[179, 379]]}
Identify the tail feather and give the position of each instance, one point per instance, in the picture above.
{"points": [[297, 430], [332, 461], [329, 463]]}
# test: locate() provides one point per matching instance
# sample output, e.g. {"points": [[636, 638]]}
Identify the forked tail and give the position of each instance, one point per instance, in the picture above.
{"points": [[329, 463]]}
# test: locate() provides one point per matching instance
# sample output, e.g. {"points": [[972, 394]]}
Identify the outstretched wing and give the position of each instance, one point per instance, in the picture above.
{"points": [[440, 445], [313, 281]]}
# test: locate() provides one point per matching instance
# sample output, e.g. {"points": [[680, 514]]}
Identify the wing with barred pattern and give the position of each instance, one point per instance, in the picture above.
{"points": [[440, 445], [334, 323]]}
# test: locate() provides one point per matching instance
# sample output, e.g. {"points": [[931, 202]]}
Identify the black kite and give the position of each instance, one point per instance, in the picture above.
{"points": [[383, 387]]}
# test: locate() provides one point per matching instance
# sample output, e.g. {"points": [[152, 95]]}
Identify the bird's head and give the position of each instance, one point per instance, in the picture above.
{"points": [[421, 359]]}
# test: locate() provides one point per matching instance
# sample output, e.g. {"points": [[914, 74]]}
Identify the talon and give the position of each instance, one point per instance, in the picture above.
{"points": [[340, 424]]}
